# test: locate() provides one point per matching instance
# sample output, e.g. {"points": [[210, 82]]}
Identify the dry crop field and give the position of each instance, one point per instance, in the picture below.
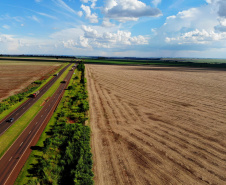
{"points": [[15, 76], [157, 125]]}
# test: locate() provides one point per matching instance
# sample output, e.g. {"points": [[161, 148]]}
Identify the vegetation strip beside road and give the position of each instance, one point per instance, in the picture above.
{"points": [[62, 154], [20, 98], [17, 128]]}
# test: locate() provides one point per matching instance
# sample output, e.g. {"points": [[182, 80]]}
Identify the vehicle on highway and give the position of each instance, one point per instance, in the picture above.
{"points": [[35, 94], [11, 120], [64, 81]]}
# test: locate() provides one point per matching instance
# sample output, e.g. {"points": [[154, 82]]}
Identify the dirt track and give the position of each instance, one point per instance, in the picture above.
{"points": [[157, 125]]}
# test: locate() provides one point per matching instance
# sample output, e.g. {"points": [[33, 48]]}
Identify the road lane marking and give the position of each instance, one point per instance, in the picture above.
{"points": [[30, 132], [46, 110], [21, 143], [17, 113], [10, 158], [36, 123], [41, 115]]}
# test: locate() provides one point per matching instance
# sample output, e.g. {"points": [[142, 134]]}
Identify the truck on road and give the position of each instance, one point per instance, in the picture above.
{"points": [[35, 94]]}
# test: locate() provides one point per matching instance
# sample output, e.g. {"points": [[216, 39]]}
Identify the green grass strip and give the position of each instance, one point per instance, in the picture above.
{"points": [[7, 139]]}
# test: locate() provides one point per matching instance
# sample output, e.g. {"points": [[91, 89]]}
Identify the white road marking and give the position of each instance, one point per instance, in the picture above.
{"points": [[30, 132], [46, 110], [21, 143], [17, 113], [10, 158], [36, 123], [41, 115]]}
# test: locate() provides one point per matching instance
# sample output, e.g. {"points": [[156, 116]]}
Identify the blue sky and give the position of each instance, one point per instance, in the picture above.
{"points": [[141, 28]]}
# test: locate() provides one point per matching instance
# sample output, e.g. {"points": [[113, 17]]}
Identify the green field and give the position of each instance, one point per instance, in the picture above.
{"points": [[215, 63]]}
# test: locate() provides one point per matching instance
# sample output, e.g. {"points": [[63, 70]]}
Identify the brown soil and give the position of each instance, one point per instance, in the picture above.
{"points": [[157, 125], [13, 78]]}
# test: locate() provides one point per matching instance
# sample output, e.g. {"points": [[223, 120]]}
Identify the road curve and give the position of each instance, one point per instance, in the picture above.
{"points": [[13, 160], [17, 113]]}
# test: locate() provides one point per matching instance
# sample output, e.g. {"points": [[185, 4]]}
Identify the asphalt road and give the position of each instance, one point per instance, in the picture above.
{"points": [[16, 114], [13, 160]]}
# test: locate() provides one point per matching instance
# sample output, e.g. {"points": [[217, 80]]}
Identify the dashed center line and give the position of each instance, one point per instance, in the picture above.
{"points": [[41, 115], [10, 158], [30, 132], [21, 143], [36, 123]]}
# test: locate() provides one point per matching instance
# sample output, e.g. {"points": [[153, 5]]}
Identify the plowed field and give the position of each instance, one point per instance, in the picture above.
{"points": [[157, 125], [14, 77]]}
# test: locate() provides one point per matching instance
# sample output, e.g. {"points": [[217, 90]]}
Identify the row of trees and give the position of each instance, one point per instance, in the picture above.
{"points": [[67, 157], [12, 100]]}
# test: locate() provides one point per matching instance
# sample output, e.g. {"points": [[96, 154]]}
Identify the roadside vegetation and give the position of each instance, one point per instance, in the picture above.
{"points": [[63, 154]]}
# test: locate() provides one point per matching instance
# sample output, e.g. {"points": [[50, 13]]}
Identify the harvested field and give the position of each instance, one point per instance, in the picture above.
{"points": [[157, 125], [16, 76]]}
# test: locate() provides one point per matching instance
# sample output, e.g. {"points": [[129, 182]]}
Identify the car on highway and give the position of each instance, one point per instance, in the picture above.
{"points": [[11, 120]]}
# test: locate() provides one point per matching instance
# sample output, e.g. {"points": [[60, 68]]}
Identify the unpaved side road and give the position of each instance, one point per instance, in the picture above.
{"points": [[157, 125]]}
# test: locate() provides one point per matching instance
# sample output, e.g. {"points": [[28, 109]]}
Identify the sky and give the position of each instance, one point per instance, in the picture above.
{"points": [[116, 28]]}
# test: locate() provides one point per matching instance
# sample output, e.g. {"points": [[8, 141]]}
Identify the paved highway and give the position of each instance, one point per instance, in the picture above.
{"points": [[13, 160], [16, 114]]}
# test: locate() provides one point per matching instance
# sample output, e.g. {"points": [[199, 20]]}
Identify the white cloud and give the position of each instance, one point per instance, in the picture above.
{"points": [[198, 37], [92, 1], [6, 26], [92, 17], [106, 23], [34, 18], [84, 42], [38, 1], [156, 2], [97, 37], [62, 4], [8, 43], [80, 13], [194, 18], [46, 15], [112, 40], [128, 10], [222, 8], [195, 29]]}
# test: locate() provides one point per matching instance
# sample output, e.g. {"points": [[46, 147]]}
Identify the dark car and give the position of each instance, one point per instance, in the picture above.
{"points": [[11, 120]]}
